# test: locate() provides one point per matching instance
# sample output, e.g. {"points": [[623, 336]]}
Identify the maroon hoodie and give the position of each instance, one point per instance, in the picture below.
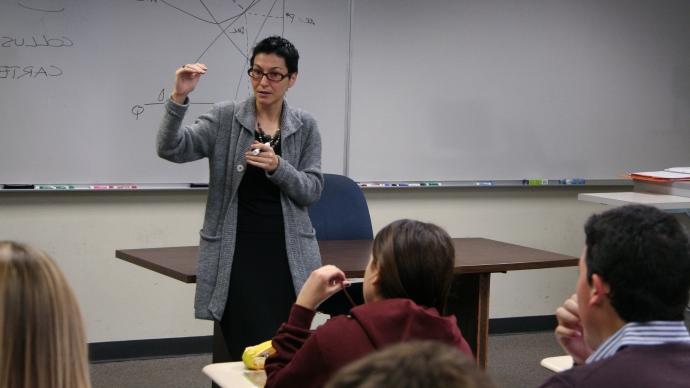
{"points": [[309, 359]]}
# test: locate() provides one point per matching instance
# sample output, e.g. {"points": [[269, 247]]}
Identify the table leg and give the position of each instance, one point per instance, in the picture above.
{"points": [[220, 351], [469, 302]]}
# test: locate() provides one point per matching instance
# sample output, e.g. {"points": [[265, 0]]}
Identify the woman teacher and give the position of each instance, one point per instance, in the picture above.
{"points": [[257, 243]]}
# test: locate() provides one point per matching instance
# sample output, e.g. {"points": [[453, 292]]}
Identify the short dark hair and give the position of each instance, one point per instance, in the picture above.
{"points": [[415, 364], [414, 260], [281, 47], [643, 254]]}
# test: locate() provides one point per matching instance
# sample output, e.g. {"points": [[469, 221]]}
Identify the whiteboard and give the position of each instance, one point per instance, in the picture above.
{"points": [[511, 89], [81, 82], [403, 90]]}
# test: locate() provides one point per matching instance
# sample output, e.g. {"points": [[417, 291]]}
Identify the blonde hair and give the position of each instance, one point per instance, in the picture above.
{"points": [[42, 342]]}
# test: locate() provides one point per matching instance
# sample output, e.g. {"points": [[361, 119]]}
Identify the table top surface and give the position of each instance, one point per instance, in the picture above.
{"points": [[661, 201], [472, 255], [234, 374]]}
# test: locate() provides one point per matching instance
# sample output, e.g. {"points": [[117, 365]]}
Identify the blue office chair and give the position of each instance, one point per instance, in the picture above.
{"points": [[341, 214]]}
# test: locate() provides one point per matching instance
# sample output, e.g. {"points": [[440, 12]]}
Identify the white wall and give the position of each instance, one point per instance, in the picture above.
{"points": [[544, 218], [121, 301]]}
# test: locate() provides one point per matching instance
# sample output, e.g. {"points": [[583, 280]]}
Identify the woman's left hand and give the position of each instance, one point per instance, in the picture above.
{"points": [[266, 160]]}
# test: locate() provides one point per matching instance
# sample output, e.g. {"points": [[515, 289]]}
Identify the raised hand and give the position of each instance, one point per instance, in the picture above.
{"points": [[321, 284], [186, 79]]}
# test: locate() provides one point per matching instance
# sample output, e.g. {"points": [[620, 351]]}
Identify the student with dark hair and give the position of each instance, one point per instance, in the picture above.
{"points": [[624, 325], [257, 244], [406, 285], [413, 364]]}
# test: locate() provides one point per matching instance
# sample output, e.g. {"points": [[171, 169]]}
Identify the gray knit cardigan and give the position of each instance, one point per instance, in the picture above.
{"points": [[223, 135]]}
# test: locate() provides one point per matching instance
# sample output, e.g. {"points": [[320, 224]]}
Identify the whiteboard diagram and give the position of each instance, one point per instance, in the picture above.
{"points": [[83, 82], [240, 24]]}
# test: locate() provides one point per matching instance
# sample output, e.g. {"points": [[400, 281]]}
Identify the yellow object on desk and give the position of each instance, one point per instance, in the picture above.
{"points": [[254, 357]]}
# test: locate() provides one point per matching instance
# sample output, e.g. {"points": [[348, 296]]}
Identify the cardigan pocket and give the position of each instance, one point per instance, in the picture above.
{"points": [[308, 234], [310, 249], [208, 237], [207, 267]]}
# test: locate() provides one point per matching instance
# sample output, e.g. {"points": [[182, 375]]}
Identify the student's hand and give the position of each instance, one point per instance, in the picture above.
{"points": [[266, 160], [321, 284], [186, 78], [569, 331]]}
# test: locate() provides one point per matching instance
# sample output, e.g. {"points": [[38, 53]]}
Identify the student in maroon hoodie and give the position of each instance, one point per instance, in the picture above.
{"points": [[406, 285]]}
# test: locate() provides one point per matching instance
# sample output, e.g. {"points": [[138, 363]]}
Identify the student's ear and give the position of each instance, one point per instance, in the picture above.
{"points": [[374, 275], [599, 291]]}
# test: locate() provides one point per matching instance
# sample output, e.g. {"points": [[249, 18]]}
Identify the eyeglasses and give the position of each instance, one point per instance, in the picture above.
{"points": [[272, 75]]}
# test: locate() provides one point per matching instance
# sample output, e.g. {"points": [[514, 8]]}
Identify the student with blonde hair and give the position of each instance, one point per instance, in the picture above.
{"points": [[42, 341]]}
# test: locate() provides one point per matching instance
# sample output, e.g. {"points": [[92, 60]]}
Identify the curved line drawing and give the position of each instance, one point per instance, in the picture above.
{"points": [[187, 13], [247, 11], [19, 3], [231, 18]]}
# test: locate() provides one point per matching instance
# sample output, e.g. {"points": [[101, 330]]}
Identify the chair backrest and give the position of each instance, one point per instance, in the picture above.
{"points": [[342, 212]]}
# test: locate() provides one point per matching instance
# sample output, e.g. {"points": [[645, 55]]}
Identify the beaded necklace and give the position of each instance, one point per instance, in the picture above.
{"points": [[273, 141]]}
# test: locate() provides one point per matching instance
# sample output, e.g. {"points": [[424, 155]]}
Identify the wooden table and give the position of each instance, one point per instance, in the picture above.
{"points": [[475, 260]]}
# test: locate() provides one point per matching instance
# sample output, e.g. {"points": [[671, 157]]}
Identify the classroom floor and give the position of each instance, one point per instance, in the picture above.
{"points": [[513, 362]]}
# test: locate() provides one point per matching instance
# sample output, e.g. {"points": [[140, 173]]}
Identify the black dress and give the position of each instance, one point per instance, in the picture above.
{"points": [[261, 291]]}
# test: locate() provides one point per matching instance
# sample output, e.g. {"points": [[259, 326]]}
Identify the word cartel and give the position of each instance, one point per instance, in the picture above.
{"points": [[17, 72], [42, 41]]}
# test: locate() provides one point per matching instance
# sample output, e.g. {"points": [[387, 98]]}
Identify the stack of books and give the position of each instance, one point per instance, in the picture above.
{"points": [[672, 181]]}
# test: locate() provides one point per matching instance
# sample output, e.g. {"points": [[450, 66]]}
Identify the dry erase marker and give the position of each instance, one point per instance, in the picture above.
{"points": [[572, 181], [535, 182], [257, 151], [485, 183], [54, 187], [113, 187]]}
